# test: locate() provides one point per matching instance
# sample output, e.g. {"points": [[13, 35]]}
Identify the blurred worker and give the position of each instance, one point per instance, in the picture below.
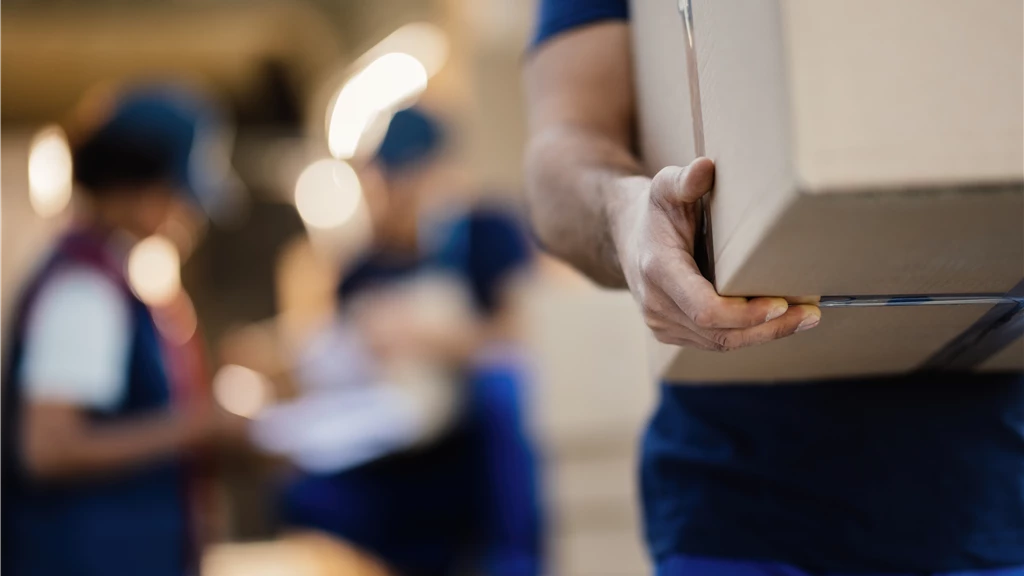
{"points": [[465, 496], [96, 429], [487, 249], [338, 368], [902, 474]]}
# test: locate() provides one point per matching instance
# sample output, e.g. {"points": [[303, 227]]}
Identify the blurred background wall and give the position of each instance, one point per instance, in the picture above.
{"points": [[276, 67]]}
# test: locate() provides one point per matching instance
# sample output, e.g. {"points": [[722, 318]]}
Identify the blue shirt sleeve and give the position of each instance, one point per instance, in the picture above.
{"points": [[557, 16]]}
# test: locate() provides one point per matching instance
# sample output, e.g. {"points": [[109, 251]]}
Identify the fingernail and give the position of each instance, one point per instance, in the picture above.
{"points": [[808, 323], [776, 312]]}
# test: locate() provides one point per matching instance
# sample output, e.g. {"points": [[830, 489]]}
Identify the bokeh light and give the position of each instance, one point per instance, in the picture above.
{"points": [[49, 172], [328, 193], [391, 81], [241, 391], [421, 40], [154, 270]]}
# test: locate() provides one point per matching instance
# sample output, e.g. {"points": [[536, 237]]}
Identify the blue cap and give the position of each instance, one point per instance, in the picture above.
{"points": [[485, 246], [413, 139], [158, 134]]}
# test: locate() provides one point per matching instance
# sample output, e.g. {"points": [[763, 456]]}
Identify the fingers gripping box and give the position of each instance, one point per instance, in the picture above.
{"points": [[868, 147]]}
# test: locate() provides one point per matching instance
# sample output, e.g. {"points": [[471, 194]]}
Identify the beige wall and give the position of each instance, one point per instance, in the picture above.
{"points": [[495, 36], [591, 399]]}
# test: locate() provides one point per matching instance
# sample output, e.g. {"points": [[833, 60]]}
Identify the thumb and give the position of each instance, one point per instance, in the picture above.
{"points": [[674, 185]]}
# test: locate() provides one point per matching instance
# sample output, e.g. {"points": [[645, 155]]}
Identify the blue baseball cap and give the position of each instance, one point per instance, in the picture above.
{"points": [[413, 139], [159, 133], [485, 246]]}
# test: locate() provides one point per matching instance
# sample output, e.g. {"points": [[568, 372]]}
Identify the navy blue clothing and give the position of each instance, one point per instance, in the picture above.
{"points": [[557, 16], [471, 498], [123, 524], [914, 473], [508, 503], [921, 473], [483, 247], [374, 269], [413, 510]]}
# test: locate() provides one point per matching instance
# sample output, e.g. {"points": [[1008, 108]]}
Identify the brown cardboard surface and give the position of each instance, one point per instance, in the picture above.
{"points": [[848, 342], [665, 139], [907, 91], [1010, 359], [915, 100], [868, 147], [858, 102], [937, 241]]}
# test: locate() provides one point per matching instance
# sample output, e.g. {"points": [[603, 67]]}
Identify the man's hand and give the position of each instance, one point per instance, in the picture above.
{"points": [[591, 204], [655, 235]]}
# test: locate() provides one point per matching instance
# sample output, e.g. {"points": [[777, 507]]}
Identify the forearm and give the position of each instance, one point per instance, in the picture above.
{"points": [[580, 187], [67, 445], [592, 206]]}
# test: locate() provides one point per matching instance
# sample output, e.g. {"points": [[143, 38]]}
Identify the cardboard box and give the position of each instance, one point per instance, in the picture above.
{"points": [[1009, 359], [862, 147], [849, 342]]}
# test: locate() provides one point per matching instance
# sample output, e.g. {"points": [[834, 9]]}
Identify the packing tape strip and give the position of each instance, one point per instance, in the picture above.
{"points": [[1014, 296], [686, 11], [905, 300], [704, 251]]}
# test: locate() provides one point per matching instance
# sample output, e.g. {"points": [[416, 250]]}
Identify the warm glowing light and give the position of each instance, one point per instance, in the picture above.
{"points": [[390, 75], [328, 193], [49, 172], [421, 40], [241, 391], [389, 82], [154, 270]]}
